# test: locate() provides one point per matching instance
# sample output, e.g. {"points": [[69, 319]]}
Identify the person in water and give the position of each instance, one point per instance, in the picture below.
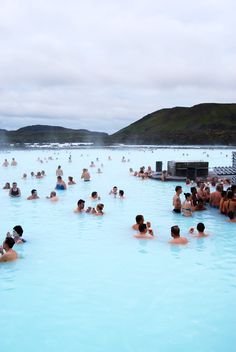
{"points": [[7, 185], [121, 194], [95, 196], [80, 206], [7, 253], [187, 205], [176, 199], [61, 185], [85, 175], [177, 239], [13, 162], [53, 196], [139, 220], [59, 171], [71, 181], [17, 234], [34, 195], [98, 210], [144, 232], [14, 191], [200, 230], [114, 191], [5, 163]]}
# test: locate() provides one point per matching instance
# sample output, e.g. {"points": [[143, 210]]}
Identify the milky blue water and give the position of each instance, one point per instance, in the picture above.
{"points": [[83, 283]]}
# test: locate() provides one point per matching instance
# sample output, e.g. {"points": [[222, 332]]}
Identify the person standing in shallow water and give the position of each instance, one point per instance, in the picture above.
{"points": [[5, 163], [59, 171], [177, 200], [85, 175]]}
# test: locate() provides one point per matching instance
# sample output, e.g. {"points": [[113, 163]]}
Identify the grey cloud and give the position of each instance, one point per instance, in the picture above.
{"points": [[102, 64]]}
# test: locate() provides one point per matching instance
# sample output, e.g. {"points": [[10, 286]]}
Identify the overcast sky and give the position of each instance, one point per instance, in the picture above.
{"points": [[103, 64]]}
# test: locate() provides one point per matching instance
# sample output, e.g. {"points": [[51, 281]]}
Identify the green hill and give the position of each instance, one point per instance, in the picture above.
{"points": [[212, 124], [209, 124], [51, 134]]}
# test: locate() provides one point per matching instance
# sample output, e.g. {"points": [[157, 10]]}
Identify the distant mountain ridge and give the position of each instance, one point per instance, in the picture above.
{"points": [[51, 134], [203, 124], [212, 124]]}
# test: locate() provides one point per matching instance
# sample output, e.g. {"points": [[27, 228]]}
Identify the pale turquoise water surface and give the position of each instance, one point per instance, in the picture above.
{"points": [[83, 283]]}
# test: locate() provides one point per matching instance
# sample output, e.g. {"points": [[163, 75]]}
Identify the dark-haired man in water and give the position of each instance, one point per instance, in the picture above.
{"points": [[177, 200], [177, 239], [8, 254]]}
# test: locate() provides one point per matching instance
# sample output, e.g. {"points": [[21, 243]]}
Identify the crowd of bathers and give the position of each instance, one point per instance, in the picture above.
{"points": [[144, 231], [200, 198], [197, 199]]}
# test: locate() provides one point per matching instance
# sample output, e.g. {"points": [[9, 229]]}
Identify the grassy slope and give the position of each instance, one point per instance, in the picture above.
{"points": [[200, 124]]}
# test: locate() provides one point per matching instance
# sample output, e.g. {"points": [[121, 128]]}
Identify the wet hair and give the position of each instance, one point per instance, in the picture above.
{"points": [[94, 194], [81, 201], [33, 191], [10, 241], [70, 178], [193, 190], [53, 193], [18, 229], [59, 177], [175, 230], [200, 227], [187, 195], [142, 227], [177, 188], [121, 192], [231, 215], [139, 218], [59, 166], [100, 206]]}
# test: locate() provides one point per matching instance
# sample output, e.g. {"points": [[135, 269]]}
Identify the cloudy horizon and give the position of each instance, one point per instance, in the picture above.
{"points": [[102, 65]]}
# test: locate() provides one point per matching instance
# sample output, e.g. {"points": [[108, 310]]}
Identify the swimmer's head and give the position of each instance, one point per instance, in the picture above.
{"points": [[187, 195], [8, 243], [139, 219], [18, 229], [34, 192], [200, 227], [142, 228], [53, 194], [100, 207], [94, 194], [178, 189], [175, 231], [121, 193], [81, 203]]}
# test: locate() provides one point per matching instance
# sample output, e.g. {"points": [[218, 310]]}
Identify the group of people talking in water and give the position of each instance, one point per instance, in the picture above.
{"points": [[201, 197], [145, 231]]}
